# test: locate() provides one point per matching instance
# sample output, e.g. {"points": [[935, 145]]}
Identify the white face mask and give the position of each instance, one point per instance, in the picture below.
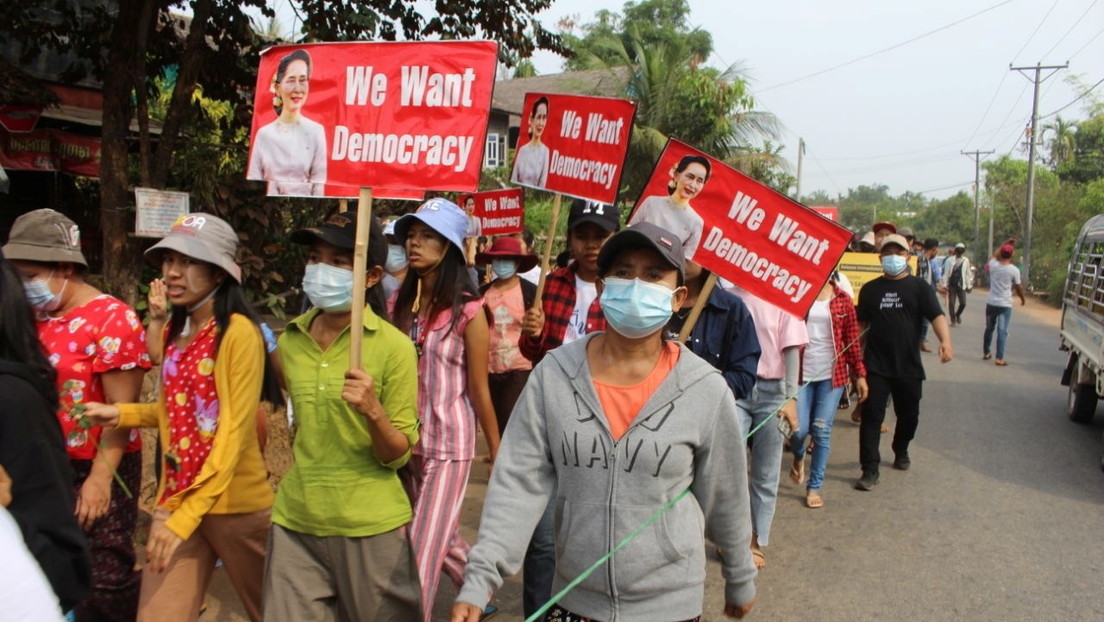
{"points": [[329, 288]]}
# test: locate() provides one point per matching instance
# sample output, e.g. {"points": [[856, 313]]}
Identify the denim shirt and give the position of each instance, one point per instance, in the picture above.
{"points": [[725, 337]]}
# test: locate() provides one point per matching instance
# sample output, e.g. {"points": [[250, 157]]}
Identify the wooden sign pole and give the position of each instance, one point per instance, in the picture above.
{"points": [[343, 205], [360, 275], [699, 304], [545, 265]]}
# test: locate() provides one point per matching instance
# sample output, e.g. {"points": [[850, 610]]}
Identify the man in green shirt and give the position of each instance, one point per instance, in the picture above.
{"points": [[337, 550]]}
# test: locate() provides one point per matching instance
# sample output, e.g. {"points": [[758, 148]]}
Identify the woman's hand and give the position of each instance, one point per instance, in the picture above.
{"points": [[93, 500], [99, 414], [359, 391], [465, 612], [162, 543], [158, 302], [862, 388], [532, 323]]}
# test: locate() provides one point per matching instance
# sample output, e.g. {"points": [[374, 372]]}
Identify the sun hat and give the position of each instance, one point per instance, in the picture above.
{"points": [[205, 237], [339, 230], [960, 245], [441, 215], [45, 235], [895, 238], [868, 238], [644, 235], [601, 214], [884, 225], [507, 247]]}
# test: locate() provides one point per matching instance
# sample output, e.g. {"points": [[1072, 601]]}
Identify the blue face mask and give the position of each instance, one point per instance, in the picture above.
{"points": [[504, 268], [635, 308], [40, 296], [396, 258], [329, 288], [894, 264]]}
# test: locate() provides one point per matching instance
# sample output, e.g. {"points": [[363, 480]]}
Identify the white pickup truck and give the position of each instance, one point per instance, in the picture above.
{"points": [[1082, 330]]}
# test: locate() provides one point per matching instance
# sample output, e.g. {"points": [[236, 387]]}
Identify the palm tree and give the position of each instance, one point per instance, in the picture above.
{"points": [[1061, 143]]}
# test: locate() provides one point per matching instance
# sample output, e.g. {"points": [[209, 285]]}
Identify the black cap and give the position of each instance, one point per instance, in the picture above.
{"points": [[605, 216], [644, 235], [338, 230]]}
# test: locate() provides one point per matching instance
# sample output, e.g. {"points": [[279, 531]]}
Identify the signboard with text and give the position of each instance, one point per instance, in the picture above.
{"points": [[861, 268], [500, 212], [740, 229], [409, 115], [157, 210], [50, 150], [573, 145]]}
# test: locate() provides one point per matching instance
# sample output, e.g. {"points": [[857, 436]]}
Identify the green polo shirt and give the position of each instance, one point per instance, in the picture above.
{"points": [[337, 487]]}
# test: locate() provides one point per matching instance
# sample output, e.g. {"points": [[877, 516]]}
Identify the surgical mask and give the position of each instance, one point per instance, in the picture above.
{"points": [[40, 296], [329, 288], [396, 258], [635, 308], [894, 264], [504, 268]]}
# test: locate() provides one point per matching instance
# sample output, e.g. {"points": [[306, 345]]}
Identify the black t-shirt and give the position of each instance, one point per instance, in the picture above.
{"points": [[895, 310]]}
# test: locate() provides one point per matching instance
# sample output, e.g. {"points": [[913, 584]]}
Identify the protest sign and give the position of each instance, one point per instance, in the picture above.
{"points": [[831, 213], [409, 115], [157, 211], [861, 268], [573, 145], [334, 191], [740, 229], [500, 212]]}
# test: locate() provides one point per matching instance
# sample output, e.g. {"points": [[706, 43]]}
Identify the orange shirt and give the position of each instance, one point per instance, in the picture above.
{"points": [[622, 403]]}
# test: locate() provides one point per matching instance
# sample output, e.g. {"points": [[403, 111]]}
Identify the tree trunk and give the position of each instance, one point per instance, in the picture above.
{"points": [[196, 50], [121, 262]]}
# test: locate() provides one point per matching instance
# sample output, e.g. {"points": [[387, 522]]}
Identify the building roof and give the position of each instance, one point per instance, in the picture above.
{"points": [[17, 87], [509, 95]]}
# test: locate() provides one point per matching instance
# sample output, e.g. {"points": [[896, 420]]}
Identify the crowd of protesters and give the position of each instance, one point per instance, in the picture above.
{"points": [[598, 403]]}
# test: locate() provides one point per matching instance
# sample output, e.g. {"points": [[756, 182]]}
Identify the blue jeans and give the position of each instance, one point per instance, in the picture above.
{"points": [[766, 451], [539, 568], [816, 410], [999, 318]]}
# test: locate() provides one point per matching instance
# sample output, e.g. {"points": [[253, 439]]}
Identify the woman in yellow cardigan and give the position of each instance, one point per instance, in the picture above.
{"points": [[214, 500]]}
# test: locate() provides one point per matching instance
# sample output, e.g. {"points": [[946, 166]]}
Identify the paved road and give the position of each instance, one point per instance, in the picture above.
{"points": [[1000, 518]]}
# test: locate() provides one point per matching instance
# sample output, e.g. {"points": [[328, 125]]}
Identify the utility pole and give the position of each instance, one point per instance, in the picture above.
{"points": [[800, 157], [1036, 80], [976, 156]]}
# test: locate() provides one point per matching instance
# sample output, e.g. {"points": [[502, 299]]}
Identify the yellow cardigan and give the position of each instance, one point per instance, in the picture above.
{"points": [[233, 479]]}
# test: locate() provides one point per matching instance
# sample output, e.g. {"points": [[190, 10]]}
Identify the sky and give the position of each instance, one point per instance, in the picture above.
{"points": [[892, 92], [902, 117]]}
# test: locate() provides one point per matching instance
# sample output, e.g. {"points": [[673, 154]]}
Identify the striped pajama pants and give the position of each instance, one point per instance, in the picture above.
{"points": [[436, 489]]}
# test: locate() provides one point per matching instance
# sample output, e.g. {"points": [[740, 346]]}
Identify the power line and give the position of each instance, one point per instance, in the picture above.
{"points": [[1036, 31], [985, 115], [1076, 23], [887, 49], [965, 183], [1077, 99]]}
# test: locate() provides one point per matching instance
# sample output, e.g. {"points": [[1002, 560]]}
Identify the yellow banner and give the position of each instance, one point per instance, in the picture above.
{"points": [[863, 267]]}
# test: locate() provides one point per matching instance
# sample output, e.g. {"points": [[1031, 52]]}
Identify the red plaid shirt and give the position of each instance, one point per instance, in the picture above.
{"points": [[845, 332], [558, 304]]}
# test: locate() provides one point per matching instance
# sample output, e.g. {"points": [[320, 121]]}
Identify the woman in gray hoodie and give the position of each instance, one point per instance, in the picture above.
{"points": [[618, 426]]}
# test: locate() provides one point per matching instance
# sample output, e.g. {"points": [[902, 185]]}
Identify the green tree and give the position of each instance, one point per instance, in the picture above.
{"points": [[1059, 141], [1086, 163], [128, 43], [657, 22]]}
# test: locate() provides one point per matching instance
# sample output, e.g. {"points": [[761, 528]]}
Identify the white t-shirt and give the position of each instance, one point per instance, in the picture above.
{"points": [[1001, 279], [585, 293], [684, 222], [821, 350], [24, 590], [533, 276]]}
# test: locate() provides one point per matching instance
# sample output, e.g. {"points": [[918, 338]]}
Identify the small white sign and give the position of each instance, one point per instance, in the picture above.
{"points": [[157, 211]]}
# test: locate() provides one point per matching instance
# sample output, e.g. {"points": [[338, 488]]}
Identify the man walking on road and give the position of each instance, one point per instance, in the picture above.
{"points": [[891, 310], [1004, 279], [957, 280]]}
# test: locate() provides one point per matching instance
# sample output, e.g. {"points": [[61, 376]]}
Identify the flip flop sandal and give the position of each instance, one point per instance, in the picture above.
{"points": [[813, 500], [759, 558], [986, 357], [797, 474], [1001, 363]]}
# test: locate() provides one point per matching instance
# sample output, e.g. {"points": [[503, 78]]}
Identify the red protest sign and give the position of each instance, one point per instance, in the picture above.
{"points": [[740, 229], [391, 115], [831, 213], [500, 212], [573, 145], [335, 191]]}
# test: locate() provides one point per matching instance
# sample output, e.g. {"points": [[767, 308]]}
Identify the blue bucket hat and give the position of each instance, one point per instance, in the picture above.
{"points": [[441, 215]]}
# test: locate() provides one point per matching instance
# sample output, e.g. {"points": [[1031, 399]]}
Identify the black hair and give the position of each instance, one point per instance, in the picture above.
{"points": [[533, 111], [687, 161], [230, 299], [19, 335], [282, 67], [527, 236], [454, 288]]}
